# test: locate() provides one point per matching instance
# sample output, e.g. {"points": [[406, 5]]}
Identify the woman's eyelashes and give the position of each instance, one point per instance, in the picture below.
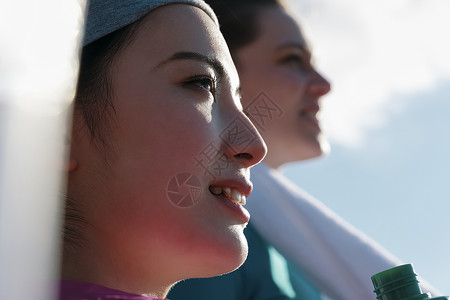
{"points": [[203, 82]]}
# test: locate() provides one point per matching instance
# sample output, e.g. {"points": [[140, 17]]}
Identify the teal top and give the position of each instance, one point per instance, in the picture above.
{"points": [[265, 275]]}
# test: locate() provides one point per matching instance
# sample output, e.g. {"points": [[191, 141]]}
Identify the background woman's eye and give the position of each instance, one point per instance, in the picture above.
{"points": [[294, 61]]}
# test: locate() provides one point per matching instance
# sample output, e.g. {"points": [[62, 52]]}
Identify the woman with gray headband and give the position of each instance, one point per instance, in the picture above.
{"points": [[160, 154]]}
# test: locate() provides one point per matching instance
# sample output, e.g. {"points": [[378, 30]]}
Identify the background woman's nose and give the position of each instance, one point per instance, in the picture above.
{"points": [[318, 85]]}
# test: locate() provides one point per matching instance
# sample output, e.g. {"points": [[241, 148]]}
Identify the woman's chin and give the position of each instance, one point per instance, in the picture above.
{"points": [[311, 148], [226, 258]]}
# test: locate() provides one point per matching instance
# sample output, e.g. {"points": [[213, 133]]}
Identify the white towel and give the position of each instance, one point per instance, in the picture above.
{"points": [[333, 255]]}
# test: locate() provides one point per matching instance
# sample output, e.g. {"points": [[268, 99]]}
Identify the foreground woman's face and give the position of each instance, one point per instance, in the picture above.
{"points": [[161, 208], [281, 88]]}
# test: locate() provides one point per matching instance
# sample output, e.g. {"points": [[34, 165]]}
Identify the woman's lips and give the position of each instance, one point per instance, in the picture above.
{"points": [[310, 116], [233, 193], [230, 193]]}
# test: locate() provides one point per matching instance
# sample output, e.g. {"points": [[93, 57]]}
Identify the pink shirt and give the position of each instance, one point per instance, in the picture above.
{"points": [[78, 290]]}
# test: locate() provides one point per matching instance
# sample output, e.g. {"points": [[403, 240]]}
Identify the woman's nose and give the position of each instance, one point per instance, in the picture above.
{"points": [[318, 85], [242, 142]]}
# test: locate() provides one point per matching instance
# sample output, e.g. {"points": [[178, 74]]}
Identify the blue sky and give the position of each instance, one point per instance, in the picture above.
{"points": [[387, 120]]}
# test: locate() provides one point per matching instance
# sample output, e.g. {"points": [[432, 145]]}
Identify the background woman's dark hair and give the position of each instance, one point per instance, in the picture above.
{"points": [[238, 19]]}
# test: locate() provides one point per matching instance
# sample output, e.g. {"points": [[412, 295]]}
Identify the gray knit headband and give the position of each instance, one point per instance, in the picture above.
{"points": [[106, 16]]}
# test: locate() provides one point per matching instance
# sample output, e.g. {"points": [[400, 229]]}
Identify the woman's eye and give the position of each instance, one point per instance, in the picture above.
{"points": [[294, 60], [203, 82]]}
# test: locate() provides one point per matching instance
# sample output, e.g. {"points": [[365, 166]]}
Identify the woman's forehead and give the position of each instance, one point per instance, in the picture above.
{"points": [[279, 27], [178, 29], [181, 27]]}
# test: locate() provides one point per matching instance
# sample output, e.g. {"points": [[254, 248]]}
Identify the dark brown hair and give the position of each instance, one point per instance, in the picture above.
{"points": [[94, 89], [238, 19], [93, 102]]}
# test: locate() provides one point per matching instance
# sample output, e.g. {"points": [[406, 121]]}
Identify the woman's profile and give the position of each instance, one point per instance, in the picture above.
{"points": [[157, 86]]}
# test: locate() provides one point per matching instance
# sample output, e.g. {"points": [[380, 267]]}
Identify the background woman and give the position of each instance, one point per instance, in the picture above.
{"points": [[152, 95]]}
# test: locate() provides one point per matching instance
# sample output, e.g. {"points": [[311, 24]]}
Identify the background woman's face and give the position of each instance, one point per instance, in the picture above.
{"points": [[179, 140], [278, 64]]}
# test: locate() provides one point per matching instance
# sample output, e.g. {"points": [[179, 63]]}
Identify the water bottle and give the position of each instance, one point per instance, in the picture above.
{"points": [[400, 283]]}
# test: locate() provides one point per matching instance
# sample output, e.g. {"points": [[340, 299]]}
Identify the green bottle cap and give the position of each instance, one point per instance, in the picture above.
{"points": [[399, 283]]}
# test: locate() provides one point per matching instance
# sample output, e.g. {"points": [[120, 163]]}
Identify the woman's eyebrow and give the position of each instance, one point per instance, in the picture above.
{"points": [[218, 67], [305, 49]]}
